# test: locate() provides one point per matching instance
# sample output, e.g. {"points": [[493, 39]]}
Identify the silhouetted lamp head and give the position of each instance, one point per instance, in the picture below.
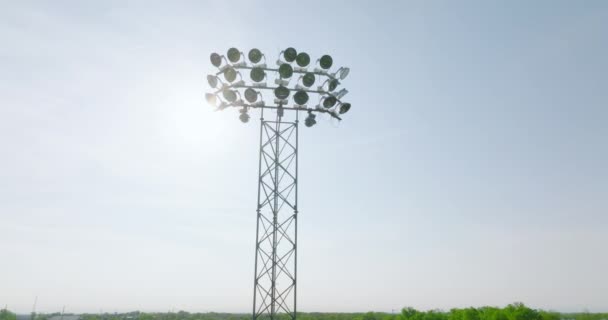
{"points": [[326, 61], [230, 74], [211, 99], [257, 74], [234, 55], [333, 84], [285, 71], [329, 101], [344, 108], [255, 55], [229, 95], [281, 92], [290, 54], [303, 59], [212, 80], [310, 120], [308, 79], [300, 97], [251, 95], [216, 59]]}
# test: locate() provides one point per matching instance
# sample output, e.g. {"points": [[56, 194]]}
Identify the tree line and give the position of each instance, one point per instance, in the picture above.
{"points": [[515, 311]]}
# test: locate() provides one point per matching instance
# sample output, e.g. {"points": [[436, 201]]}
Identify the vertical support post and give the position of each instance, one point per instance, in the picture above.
{"points": [[274, 289]]}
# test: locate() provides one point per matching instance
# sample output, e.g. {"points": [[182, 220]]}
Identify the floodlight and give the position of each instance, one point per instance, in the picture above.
{"points": [[303, 59], [230, 74], [344, 107], [300, 97], [211, 99], [251, 95], [234, 55], [310, 119], [329, 101], [212, 80], [308, 79], [341, 93], [216, 59], [326, 61], [255, 55], [285, 71], [333, 84], [342, 73], [229, 95], [257, 74], [244, 115], [290, 54], [281, 92]]}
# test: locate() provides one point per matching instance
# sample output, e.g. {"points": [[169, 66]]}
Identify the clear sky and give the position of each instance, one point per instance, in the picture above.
{"points": [[471, 169]]}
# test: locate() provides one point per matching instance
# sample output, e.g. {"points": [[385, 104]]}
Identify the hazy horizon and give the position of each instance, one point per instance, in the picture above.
{"points": [[470, 171]]}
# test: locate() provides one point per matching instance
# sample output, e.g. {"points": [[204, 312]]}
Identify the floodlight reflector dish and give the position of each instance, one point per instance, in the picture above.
{"points": [[329, 102], [333, 84], [344, 72], [255, 55], [326, 61], [281, 92], [229, 95], [308, 79], [234, 55], [344, 108], [310, 120], [211, 99], [244, 117], [251, 95], [300, 97], [290, 54], [257, 74], [285, 71], [303, 59], [212, 80], [230, 74], [216, 59]]}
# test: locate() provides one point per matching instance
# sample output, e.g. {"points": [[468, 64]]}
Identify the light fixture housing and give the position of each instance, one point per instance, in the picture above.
{"points": [[333, 84], [344, 107], [326, 61], [308, 79], [257, 74], [303, 59], [281, 92], [244, 116], [230, 74], [310, 120], [212, 80], [300, 97], [290, 54], [234, 55], [329, 101], [216, 59], [285, 71], [211, 99], [255, 55], [229, 95], [251, 95]]}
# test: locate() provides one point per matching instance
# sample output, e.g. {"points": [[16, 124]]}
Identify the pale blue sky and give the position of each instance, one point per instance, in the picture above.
{"points": [[471, 169]]}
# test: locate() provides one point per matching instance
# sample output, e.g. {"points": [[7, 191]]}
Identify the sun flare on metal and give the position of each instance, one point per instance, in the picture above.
{"points": [[282, 90]]}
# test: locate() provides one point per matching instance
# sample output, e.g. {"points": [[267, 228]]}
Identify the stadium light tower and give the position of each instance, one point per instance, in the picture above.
{"points": [[275, 282]]}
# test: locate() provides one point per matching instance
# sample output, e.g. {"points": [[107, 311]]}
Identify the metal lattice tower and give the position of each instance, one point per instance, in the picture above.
{"points": [[275, 276], [277, 220]]}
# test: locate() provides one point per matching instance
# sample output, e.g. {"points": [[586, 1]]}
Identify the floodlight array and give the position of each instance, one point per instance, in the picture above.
{"points": [[292, 89]]}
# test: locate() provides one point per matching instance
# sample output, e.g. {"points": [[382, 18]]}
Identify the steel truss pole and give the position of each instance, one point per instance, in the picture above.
{"points": [[276, 232]]}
